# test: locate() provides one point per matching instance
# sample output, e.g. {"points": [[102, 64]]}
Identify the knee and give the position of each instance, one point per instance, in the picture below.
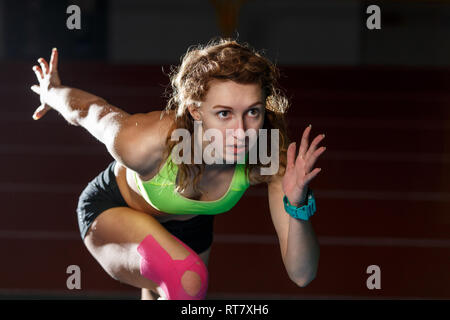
{"points": [[194, 280], [179, 279]]}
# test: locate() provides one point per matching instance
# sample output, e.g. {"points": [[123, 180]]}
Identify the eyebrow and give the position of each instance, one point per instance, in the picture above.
{"points": [[227, 107]]}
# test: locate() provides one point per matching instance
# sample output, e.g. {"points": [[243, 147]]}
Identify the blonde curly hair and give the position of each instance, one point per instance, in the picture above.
{"points": [[224, 59]]}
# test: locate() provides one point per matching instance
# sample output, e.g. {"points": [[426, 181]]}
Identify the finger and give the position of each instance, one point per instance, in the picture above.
{"points": [[40, 112], [314, 144], [291, 154], [312, 160], [36, 112], [44, 65], [36, 89], [304, 143], [54, 61], [38, 72], [312, 175]]}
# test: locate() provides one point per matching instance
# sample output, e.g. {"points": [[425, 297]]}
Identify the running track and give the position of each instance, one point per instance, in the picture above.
{"points": [[383, 195]]}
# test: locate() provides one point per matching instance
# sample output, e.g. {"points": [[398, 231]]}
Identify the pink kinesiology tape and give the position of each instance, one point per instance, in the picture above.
{"points": [[158, 266]]}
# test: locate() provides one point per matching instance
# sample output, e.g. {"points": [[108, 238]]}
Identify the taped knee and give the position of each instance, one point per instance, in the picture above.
{"points": [[170, 275]]}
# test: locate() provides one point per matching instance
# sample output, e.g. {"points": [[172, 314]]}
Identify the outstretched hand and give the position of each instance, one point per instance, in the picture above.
{"points": [[299, 170], [48, 77]]}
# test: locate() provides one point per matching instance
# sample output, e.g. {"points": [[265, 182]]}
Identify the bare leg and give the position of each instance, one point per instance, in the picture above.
{"points": [[147, 294], [113, 240]]}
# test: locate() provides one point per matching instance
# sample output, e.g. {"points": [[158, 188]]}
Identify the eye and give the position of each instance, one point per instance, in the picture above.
{"points": [[255, 112], [221, 112]]}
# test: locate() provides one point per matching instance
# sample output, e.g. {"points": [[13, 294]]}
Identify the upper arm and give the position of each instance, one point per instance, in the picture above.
{"points": [[279, 217], [139, 141], [136, 141]]}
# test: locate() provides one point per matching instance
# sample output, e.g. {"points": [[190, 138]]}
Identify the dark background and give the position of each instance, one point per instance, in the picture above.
{"points": [[380, 96]]}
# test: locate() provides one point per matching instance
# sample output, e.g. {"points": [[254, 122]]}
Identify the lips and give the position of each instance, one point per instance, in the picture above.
{"points": [[236, 149]]}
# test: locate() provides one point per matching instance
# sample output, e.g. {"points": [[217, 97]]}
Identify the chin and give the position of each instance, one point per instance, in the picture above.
{"points": [[233, 157]]}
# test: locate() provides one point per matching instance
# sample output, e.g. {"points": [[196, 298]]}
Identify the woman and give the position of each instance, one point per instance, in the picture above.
{"points": [[142, 232]]}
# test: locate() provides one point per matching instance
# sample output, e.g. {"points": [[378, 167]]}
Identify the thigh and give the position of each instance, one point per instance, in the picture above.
{"points": [[113, 239]]}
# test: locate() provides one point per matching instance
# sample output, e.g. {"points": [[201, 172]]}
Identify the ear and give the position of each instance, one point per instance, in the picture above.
{"points": [[195, 112]]}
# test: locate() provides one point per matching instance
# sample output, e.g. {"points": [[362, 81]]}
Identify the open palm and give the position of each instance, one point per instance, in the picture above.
{"points": [[48, 77], [299, 170]]}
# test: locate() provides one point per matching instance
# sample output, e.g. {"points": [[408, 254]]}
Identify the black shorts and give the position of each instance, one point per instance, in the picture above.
{"points": [[103, 193]]}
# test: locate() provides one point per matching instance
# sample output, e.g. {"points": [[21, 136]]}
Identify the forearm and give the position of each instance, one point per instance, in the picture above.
{"points": [[302, 253], [71, 103], [84, 109]]}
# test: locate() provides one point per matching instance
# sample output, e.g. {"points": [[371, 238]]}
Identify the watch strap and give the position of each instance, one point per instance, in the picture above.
{"points": [[304, 212]]}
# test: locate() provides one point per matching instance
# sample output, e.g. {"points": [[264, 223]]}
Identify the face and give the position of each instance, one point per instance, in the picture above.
{"points": [[231, 108]]}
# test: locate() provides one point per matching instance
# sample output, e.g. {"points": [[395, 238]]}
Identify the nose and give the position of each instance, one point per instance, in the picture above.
{"points": [[239, 130]]}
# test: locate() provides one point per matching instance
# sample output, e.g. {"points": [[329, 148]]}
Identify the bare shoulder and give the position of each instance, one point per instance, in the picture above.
{"points": [[154, 124], [140, 142]]}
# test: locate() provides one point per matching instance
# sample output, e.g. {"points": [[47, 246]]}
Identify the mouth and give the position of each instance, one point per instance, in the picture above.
{"points": [[236, 148]]}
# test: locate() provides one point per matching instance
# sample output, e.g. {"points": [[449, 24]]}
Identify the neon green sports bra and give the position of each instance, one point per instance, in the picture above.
{"points": [[160, 192]]}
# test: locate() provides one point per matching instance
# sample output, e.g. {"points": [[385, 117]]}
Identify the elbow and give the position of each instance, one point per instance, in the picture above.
{"points": [[304, 280], [303, 274]]}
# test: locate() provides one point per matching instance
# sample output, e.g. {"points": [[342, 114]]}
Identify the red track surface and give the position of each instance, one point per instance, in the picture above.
{"points": [[382, 197]]}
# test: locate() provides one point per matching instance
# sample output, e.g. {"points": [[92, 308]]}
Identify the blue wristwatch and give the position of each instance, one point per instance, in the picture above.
{"points": [[304, 212]]}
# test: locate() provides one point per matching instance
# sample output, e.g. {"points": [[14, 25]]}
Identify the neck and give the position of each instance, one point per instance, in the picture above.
{"points": [[216, 166]]}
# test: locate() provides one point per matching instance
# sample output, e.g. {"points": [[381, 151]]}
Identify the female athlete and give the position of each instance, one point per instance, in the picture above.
{"points": [[149, 221]]}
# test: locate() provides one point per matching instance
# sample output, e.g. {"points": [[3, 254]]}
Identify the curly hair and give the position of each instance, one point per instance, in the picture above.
{"points": [[224, 59]]}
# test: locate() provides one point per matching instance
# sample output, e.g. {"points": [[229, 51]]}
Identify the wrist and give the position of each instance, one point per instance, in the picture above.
{"points": [[56, 97], [299, 204], [302, 202], [303, 212], [68, 102]]}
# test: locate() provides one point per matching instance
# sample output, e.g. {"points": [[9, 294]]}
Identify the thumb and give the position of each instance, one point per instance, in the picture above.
{"points": [[36, 89]]}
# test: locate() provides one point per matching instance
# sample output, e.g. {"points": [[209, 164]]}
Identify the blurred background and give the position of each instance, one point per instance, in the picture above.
{"points": [[381, 96]]}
